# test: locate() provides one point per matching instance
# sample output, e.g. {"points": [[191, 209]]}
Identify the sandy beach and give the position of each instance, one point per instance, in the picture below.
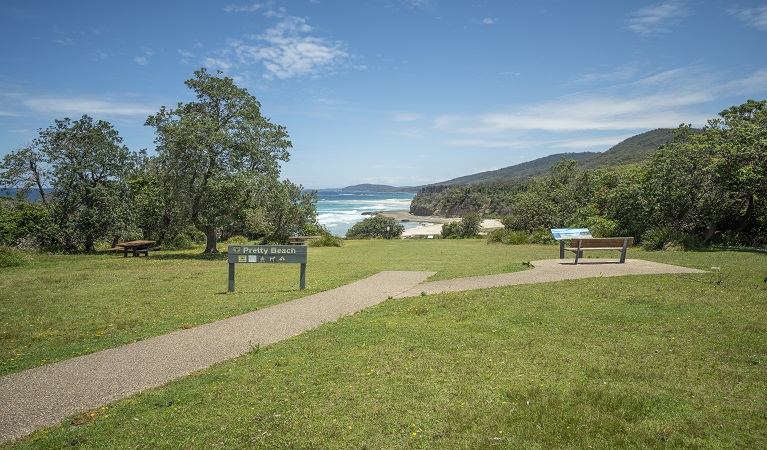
{"points": [[433, 224]]}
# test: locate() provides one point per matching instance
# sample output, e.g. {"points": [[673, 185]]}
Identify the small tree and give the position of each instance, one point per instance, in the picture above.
{"points": [[376, 227], [467, 227]]}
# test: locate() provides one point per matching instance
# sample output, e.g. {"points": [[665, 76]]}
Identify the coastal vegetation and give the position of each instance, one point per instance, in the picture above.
{"points": [[215, 172], [646, 361], [702, 187], [376, 227]]}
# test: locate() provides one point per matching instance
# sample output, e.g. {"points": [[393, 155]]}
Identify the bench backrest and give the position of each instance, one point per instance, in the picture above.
{"points": [[602, 242]]}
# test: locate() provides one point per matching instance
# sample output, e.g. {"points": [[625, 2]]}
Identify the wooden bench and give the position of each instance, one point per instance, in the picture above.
{"points": [[617, 243], [300, 240]]}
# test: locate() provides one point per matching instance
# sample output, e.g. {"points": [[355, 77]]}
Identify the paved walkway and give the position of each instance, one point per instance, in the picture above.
{"points": [[44, 396]]}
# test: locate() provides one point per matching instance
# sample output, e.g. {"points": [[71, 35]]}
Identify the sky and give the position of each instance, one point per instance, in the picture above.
{"points": [[396, 92]]}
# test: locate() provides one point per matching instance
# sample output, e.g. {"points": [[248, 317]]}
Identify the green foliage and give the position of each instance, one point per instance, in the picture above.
{"points": [[26, 224], [87, 168], [666, 238], [467, 227], [237, 240], [506, 236], [186, 240], [216, 155], [326, 240], [282, 209], [11, 258], [375, 227], [513, 237]]}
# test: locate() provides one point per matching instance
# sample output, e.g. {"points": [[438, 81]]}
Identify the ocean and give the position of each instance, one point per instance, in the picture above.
{"points": [[339, 210]]}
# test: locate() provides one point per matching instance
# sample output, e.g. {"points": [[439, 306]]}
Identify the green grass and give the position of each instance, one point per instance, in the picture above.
{"points": [[61, 306], [660, 361]]}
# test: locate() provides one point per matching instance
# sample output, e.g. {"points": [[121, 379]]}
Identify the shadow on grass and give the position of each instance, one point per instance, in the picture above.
{"points": [[160, 255]]}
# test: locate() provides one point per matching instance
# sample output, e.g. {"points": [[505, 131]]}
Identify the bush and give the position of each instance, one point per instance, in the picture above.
{"points": [[376, 227], [326, 240], [237, 239], [467, 227], [11, 258], [505, 236], [602, 227], [514, 237], [665, 238]]}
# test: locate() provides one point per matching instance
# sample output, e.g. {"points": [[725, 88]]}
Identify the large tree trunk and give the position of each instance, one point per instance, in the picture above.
{"points": [[746, 217], [710, 233], [210, 240], [90, 243]]}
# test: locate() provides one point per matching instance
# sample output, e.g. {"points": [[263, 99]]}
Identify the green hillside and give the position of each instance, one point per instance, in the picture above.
{"points": [[630, 151]]}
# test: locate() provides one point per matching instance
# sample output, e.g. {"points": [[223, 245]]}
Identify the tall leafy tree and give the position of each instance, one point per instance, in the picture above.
{"points": [[714, 180], [86, 166], [211, 153], [89, 168]]}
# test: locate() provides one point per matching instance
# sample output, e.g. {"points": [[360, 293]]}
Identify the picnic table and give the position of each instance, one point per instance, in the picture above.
{"points": [[135, 247]]}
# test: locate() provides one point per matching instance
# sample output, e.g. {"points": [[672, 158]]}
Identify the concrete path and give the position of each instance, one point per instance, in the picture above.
{"points": [[550, 270], [46, 395]]}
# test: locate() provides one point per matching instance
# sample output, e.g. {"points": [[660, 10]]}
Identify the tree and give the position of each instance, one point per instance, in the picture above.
{"points": [[25, 171], [468, 227], [213, 153], [86, 167], [376, 227], [714, 180], [283, 209]]}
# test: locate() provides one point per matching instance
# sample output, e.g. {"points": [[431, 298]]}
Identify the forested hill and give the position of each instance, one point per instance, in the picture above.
{"points": [[528, 169], [630, 151]]}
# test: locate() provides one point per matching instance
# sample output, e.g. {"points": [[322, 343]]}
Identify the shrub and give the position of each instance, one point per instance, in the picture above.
{"points": [[237, 239], [326, 240], [376, 227], [602, 227], [11, 258], [665, 238], [505, 236], [467, 227]]}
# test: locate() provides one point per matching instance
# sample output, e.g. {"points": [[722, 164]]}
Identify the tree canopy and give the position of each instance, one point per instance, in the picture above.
{"points": [[213, 154]]}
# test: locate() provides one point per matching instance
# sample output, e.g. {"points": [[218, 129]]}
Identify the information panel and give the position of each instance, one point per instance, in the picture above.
{"points": [[267, 254]]}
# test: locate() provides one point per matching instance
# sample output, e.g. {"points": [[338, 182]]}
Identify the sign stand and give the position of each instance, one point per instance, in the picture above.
{"points": [[267, 254]]}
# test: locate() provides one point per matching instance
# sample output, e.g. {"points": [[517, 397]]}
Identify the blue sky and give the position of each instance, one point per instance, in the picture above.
{"points": [[399, 92]]}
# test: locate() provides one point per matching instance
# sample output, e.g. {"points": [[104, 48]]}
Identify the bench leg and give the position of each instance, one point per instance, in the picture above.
{"points": [[623, 251]]}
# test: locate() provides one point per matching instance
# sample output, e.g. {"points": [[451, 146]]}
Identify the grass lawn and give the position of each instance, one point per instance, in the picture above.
{"points": [[651, 361]]}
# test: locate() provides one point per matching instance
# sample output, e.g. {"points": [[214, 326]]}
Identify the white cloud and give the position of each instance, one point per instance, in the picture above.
{"points": [[76, 106], [753, 17], [242, 8], [656, 19], [217, 63], [141, 60], [666, 99], [287, 51]]}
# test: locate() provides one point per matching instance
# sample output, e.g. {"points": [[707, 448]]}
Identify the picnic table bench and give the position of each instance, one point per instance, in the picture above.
{"points": [[579, 245], [299, 240], [135, 247]]}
